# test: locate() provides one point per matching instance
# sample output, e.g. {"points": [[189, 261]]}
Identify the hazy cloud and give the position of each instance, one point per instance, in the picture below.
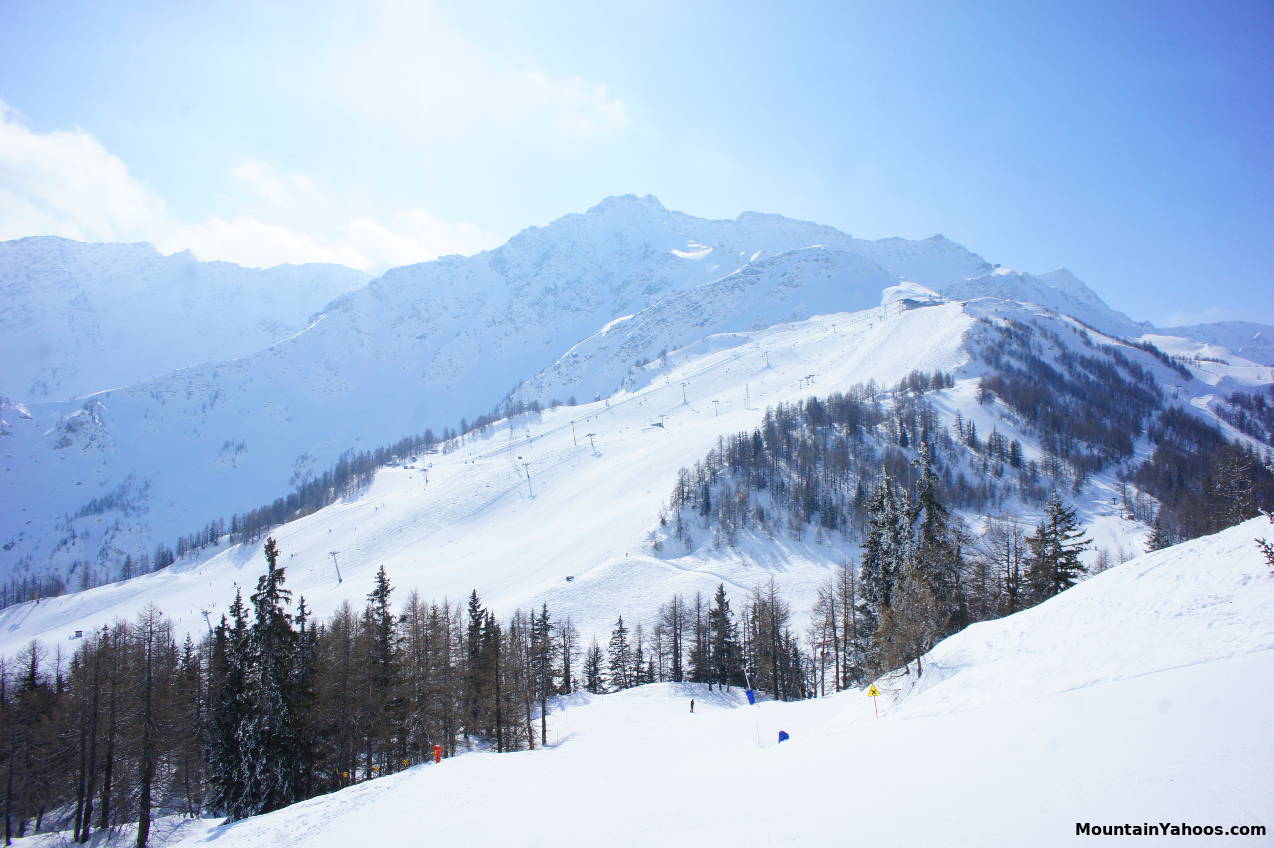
{"points": [[66, 183]]}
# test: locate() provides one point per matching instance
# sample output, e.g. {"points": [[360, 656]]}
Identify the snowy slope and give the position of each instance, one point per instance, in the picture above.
{"points": [[422, 346], [78, 318], [84, 483], [1138, 697], [476, 525], [798, 284], [1059, 291], [449, 523], [1246, 339]]}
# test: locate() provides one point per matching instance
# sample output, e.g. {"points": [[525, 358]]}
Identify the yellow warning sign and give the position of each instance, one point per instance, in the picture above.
{"points": [[872, 690]]}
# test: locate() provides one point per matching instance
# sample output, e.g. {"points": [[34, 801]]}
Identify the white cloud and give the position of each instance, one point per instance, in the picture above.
{"points": [[65, 183], [417, 236], [366, 243], [251, 241]]}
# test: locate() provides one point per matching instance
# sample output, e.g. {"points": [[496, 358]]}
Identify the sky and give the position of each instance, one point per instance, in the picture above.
{"points": [[1131, 142]]}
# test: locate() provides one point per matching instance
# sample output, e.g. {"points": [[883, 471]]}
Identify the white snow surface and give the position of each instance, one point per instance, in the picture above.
{"points": [[1244, 338], [1140, 696], [421, 346], [1059, 291], [479, 524], [569, 310], [592, 514]]}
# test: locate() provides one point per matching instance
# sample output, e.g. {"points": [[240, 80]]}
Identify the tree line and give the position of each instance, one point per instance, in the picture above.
{"points": [[809, 466], [352, 472], [273, 707], [270, 708]]}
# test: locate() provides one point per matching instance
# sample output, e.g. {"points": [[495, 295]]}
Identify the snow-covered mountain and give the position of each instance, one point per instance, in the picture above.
{"points": [[421, 346], [577, 491], [80, 318], [1060, 291], [1242, 338], [564, 310]]}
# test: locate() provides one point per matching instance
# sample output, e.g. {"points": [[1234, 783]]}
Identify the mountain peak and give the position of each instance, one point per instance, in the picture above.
{"points": [[624, 202]]}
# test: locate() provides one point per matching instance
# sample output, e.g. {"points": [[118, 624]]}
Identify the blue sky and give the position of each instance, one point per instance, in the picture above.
{"points": [[1131, 142]]}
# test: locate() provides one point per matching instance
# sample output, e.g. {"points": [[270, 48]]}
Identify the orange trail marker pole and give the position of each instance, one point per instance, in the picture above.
{"points": [[437, 753]]}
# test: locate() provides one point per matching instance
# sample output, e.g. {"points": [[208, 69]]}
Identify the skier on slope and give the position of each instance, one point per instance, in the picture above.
{"points": [[692, 706]]}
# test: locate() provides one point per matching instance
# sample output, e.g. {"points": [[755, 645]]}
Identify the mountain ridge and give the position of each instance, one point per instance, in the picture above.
{"points": [[427, 344]]}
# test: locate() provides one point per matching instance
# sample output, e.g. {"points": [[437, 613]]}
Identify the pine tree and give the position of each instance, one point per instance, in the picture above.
{"points": [[769, 639], [568, 637], [700, 655], [153, 647], [1053, 564], [542, 654], [671, 631], [937, 547], [1267, 550], [271, 756], [593, 670], [473, 694], [383, 699], [305, 700], [886, 544], [725, 655], [1160, 538], [913, 623], [228, 713], [619, 658], [490, 680]]}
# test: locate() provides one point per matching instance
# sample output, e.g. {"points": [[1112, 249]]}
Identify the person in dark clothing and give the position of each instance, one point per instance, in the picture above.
{"points": [[692, 705]]}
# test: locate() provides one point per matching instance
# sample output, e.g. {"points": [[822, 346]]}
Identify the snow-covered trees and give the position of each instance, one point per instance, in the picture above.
{"points": [[912, 570], [268, 764], [938, 548], [619, 659], [887, 544], [1053, 563], [1159, 537]]}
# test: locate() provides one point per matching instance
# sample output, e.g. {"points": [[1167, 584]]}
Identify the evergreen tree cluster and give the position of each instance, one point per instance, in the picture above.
{"points": [[1251, 413], [922, 578], [1088, 410], [704, 641], [269, 709], [810, 465], [1203, 481]]}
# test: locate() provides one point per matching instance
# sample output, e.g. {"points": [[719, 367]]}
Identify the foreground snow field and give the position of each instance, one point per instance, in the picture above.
{"points": [[1142, 695]]}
